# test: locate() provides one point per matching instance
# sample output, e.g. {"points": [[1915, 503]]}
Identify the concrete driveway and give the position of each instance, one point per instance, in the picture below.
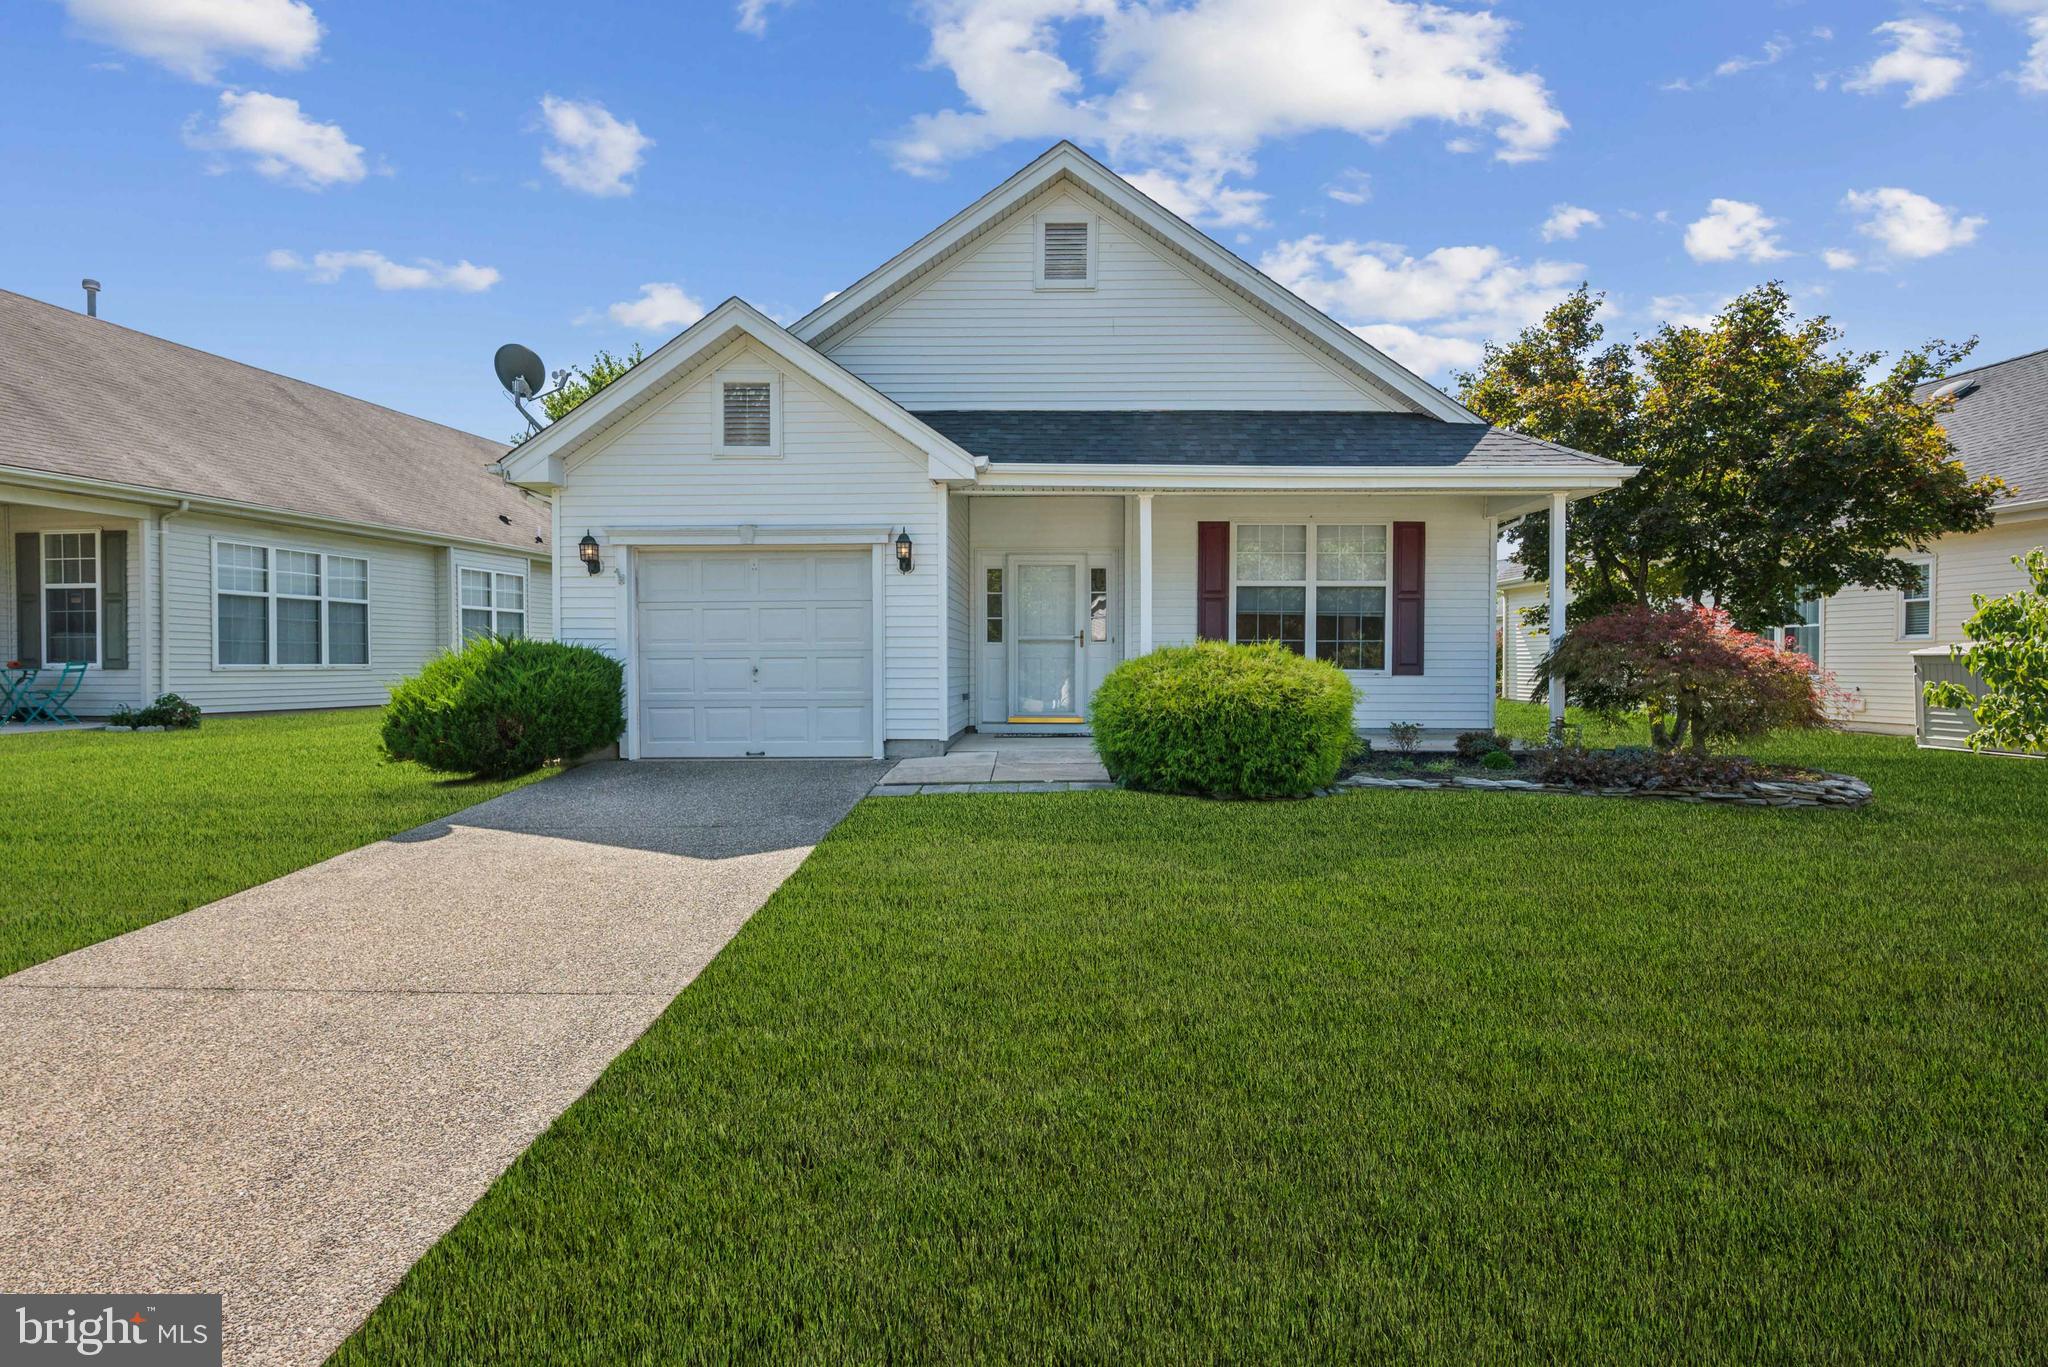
{"points": [[287, 1096]]}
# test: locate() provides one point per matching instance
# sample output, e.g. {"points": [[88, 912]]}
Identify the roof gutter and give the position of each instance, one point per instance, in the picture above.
{"points": [[163, 498], [1575, 480]]}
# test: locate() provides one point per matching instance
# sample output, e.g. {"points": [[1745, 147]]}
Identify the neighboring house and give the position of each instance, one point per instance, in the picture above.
{"points": [[1062, 428], [179, 522], [1522, 646], [1871, 639]]}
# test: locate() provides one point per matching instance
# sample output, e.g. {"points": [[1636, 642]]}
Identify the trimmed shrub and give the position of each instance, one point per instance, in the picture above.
{"points": [[1497, 759], [500, 707], [1475, 744], [170, 711], [1225, 720]]}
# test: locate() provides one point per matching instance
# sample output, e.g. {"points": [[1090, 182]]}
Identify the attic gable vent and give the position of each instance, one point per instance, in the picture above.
{"points": [[749, 414], [1066, 253]]}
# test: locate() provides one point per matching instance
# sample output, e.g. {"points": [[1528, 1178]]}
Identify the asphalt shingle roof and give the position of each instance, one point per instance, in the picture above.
{"points": [[2001, 427], [1247, 437], [88, 398]]}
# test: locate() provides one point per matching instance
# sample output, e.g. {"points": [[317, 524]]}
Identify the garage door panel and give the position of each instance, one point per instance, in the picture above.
{"points": [[785, 577], [843, 576], [729, 626], [755, 653], [842, 674], [842, 626], [784, 625], [727, 576]]}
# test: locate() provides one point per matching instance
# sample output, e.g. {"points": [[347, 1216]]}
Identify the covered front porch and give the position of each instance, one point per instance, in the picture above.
{"points": [[1064, 579], [75, 586]]}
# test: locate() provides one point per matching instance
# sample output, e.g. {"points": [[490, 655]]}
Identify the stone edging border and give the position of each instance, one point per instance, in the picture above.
{"points": [[1829, 790]]}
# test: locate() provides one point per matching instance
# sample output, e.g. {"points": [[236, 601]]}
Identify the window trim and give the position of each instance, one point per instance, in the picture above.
{"points": [[1899, 620], [747, 374], [1038, 225], [1774, 635], [98, 587], [1310, 584], [270, 595], [525, 612]]}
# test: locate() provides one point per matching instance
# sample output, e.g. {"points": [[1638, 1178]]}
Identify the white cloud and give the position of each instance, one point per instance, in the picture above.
{"points": [[1773, 52], [386, 274], [282, 141], [1686, 310], [1732, 229], [1191, 91], [1197, 193], [1460, 296], [1927, 57], [1837, 259], [1350, 187], [1422, 352], [663, 306], [1567, 221], [751, 16], [195, 38], [1910, 225], [2032, 73], [591, 149]]}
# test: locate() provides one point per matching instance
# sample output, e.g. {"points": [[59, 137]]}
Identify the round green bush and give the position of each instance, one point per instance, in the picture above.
{"points": [[1232, 721], [1497, 759], [502, 707]]}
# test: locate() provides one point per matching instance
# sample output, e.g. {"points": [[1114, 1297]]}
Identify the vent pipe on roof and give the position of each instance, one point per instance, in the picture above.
{"points": [[92, 297]]}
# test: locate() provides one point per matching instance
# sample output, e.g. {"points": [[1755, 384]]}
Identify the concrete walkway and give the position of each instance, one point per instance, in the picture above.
{"points": [[287, 1096], [1000, 764]]}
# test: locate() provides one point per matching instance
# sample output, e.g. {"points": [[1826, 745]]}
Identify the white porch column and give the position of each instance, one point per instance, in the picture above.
{"points": [[1558, 515], [1144, 574]]}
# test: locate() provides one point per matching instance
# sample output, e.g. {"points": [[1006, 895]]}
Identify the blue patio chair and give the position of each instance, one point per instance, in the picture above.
{"points": [[17, 692], [48, 704]]}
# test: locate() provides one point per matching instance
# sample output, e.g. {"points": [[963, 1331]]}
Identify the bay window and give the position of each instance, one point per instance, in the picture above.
{"points": [[1318, 590], [492, 604], [289, 608]]}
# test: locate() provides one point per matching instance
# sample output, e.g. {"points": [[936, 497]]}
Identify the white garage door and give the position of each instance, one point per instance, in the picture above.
{"points": [[744, 653]]}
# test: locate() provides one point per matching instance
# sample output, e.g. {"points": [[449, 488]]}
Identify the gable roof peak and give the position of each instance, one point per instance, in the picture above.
{"points": [[1065, 159]]}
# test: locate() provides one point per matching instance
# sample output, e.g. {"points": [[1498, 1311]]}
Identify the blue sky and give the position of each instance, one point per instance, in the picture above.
{"points": [[372, 196]]}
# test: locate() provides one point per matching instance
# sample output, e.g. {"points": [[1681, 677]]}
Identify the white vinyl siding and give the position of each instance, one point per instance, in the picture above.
{"points": [[1522, 646], [406, 613], [837, 469], [1864, 647], [1153, 332], [1455, 692]]}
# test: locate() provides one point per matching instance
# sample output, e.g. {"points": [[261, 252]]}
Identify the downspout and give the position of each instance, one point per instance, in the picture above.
{"points": [[162, 643]]}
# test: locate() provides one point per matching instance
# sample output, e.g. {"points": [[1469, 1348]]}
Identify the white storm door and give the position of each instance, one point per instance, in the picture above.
{"points": [[1048, 620]]}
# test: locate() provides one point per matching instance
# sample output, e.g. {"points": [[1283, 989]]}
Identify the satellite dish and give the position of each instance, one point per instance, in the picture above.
{"points": [[519, 370]]}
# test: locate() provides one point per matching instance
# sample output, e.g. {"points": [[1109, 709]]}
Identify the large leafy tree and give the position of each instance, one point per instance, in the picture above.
{"points": [[583, 382], [1775, 464]]}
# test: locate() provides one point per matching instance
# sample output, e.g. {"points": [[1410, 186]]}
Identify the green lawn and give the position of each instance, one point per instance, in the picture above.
{"points": [[107, 831], [1445, 1076]]}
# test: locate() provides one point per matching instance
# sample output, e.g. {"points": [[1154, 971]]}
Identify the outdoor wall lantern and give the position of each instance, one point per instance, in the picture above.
{"points": [[587, 548], [903, 550]]}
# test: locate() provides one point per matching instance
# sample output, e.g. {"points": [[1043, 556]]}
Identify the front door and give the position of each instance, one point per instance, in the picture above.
{"points": [[1048, 619]]}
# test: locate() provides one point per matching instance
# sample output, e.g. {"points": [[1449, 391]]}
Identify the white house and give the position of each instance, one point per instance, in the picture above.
{"points": [[177, 522], [1880, 644], [1522, 644], [1058, 430]]}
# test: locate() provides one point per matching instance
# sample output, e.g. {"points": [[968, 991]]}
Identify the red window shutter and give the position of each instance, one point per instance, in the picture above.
{"points": [[1408, 558], [1212, 581]]}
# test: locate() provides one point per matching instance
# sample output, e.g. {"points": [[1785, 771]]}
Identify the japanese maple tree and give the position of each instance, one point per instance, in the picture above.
{"points": [[1700, 679]]}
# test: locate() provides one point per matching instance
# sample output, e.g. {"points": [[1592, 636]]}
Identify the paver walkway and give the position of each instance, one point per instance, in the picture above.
{"points": [[287, 1096]]}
